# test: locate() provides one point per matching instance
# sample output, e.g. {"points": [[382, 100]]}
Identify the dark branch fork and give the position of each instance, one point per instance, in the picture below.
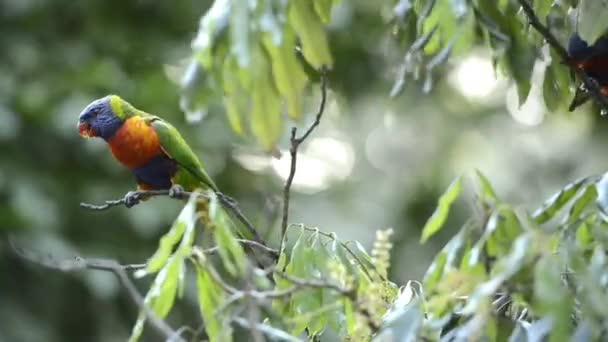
{"points": [[590, 84], [293, 152]]}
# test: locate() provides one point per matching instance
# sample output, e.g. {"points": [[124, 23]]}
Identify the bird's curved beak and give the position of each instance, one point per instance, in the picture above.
{"points": [[84, 129]]}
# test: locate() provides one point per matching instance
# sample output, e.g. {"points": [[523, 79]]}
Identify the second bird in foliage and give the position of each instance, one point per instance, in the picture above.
{"points": [[593, 60]]}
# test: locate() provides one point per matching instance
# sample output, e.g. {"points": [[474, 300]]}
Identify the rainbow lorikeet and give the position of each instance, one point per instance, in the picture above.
{"points": [[593, 60], [150, 147]]}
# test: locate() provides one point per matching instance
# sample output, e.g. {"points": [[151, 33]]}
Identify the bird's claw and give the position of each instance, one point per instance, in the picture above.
{"points": [[176, 191], [132, 198]]}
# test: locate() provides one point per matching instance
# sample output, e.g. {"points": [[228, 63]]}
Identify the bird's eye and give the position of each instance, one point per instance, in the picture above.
{"points": [[95, 112]]}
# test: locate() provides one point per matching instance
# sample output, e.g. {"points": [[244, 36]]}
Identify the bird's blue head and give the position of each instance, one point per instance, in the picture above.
{"points": [[578, 49], [100, 118]]}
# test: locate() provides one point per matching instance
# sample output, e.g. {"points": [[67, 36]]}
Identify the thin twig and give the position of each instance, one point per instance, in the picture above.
{"points": [[299, 284], [226, 202], [271, 251], [293, 151], [107, 265], [272, 332], [590, 84]]}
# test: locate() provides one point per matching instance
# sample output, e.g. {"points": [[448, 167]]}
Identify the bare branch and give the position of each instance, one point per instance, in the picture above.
{"points": [[250, 243], [293, 151], [107, 265], [227, 202], [590, 84]]}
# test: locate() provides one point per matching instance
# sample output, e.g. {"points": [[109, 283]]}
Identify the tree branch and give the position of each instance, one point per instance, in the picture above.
{"points": [[293, 151], [226, 201], [590, 84], [106, 265]]}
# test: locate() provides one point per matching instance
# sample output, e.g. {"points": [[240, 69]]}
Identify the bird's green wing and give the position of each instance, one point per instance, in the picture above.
{"points": [[177, 149]]}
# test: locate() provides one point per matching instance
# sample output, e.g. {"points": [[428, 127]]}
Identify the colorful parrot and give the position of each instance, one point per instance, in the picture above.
{"points": [[150, 147], [593, 60]]}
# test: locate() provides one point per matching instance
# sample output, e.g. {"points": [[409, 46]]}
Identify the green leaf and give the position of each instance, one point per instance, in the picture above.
{"points": [[552, 206], [583, 236], [519, 256], [184, 222], [230, 250], [542, 8], [323, 9], [239, 32], [551, 92], [160, 296], [289, 77], [213, 23], [265, 115], [436, 221], [364, 259], [210, 298], [581, 201], [235, 97], [435, 272], [402, 324], [309, 28], [552, 299], [591, 21], [485, 189]]}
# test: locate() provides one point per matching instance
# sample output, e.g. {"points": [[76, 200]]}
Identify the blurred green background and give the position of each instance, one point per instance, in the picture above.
{"points": [[374, 162]]}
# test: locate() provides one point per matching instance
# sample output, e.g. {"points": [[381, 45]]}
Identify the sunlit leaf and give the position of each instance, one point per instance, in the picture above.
{"points": [[230, 250], [542, 8], [210, 297], [184, 222], [438, 218], [212, 24], [581, 201], [289, 77], [583, 236], [323, 9], [265, 115], [402, 324], [557, 202], [591, 22], [160, 296], [434, 272], [239, 31], [552, 299], [485, 188], [309, 28]]}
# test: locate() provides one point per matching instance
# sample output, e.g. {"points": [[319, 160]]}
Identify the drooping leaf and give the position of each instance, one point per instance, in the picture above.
{"points": [[184, 222], [287, 72], [265, 115], [230, 250], [309, 28], [435, 271], [485, 189], [557, 202], [542, 8], [591, 22], [552, 299], [160, 296], [582, 200], [210, 298], [439, 216]]}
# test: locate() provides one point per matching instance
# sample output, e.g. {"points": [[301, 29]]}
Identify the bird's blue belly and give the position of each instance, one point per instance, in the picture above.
{"points": [[156, 174]]}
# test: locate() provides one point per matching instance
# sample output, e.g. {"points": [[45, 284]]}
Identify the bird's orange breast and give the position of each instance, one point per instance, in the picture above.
{"points": [[135, 143]]}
